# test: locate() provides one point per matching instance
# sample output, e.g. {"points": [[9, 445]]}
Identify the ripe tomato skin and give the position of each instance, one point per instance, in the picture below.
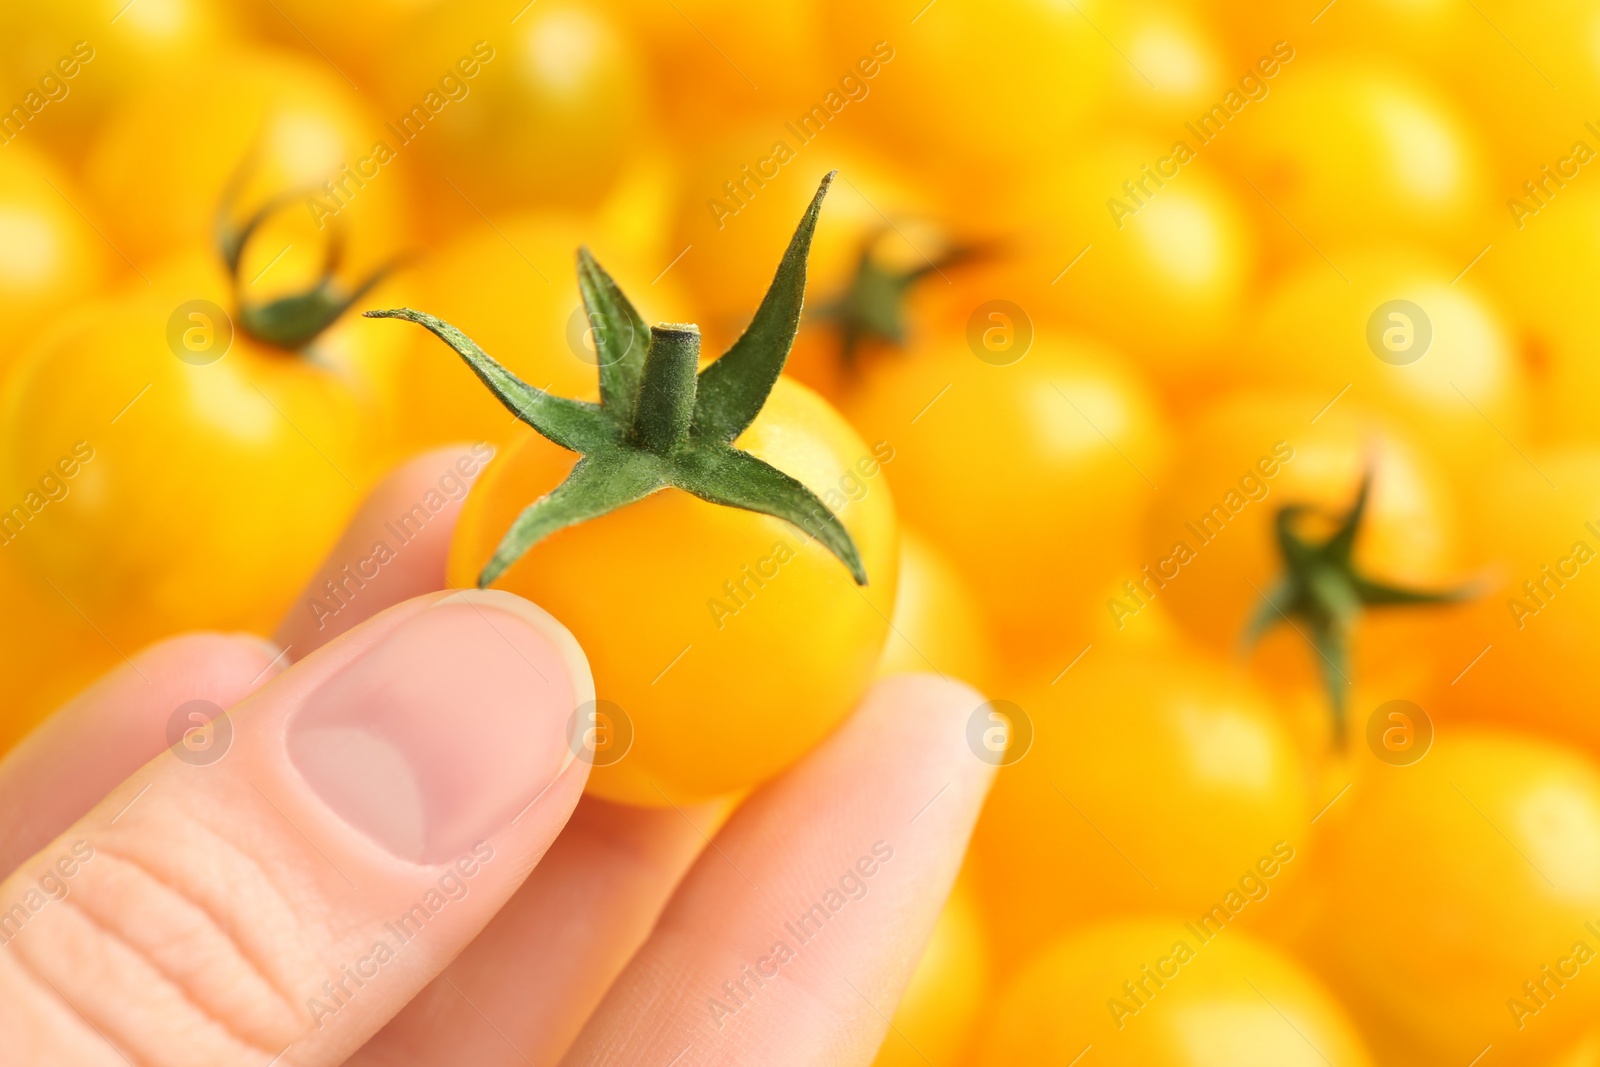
{"points": [[48, 655], [512, 288], [49, 257], [1156, 779], [547, 117], [934, 1021], [1350, 141], [291, 123], [124, 48], [1227, 1004], [1421, 932], [1410, 535], [939, 624], [1526, 656], [1313, 333], [216, 489], [723, 688], [994, 464]]}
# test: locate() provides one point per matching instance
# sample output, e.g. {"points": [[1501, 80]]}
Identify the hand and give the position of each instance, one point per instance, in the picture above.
{"points": [[390, 860]]}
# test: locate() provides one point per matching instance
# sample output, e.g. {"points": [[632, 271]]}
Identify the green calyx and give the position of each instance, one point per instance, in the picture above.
{"points": [[661, 422], [1322, 589], [873, 307], [288, 322]]}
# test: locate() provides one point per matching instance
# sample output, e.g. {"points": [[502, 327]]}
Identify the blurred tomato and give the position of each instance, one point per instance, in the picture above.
{"points": [[285, 126], [1525, 652], [939, 624], [68, 63], [1154, 993], [512, 103], [1462, 883], [935, 1020], [1031, 473], [49, 256], [1408, 338], [1212, 555], [1349, 143], [1155, 781], [49, 651], [176, 473], [1135, 241]]}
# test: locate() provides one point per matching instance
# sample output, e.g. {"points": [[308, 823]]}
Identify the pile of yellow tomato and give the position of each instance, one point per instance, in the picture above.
{"points": [[1223, 378]]}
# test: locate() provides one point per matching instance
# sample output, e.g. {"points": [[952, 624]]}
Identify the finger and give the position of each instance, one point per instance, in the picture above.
{"points": [[581, 915], [85, 750], [394, 549], [792, 938], [379, 802]]}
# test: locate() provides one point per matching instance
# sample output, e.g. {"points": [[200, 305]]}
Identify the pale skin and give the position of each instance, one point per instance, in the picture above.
{"points": [[216, 900]]}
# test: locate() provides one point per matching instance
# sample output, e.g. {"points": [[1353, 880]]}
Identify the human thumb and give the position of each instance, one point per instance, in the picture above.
{"points": [[277, 890]]}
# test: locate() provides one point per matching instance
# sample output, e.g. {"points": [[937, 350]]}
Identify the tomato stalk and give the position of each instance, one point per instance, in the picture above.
{"points": [[1322, 587], [290, 322], [659, 423]]}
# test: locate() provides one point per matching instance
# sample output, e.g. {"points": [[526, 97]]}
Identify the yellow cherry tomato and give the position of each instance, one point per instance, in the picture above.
{"points": [[68, 63], [1462, 885], [538, 106], [1031, 475], [283, 125], [1524, 651], [1155, 780], [1538, 270], [937, 1013], [1342, 143], [1397, 327], [939, 624], [745, 641], [165, 471], [1211, 547], [49, 256], [972, 90], [512, 289], [1155, 993], [1136, 242], [48, 652]]}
